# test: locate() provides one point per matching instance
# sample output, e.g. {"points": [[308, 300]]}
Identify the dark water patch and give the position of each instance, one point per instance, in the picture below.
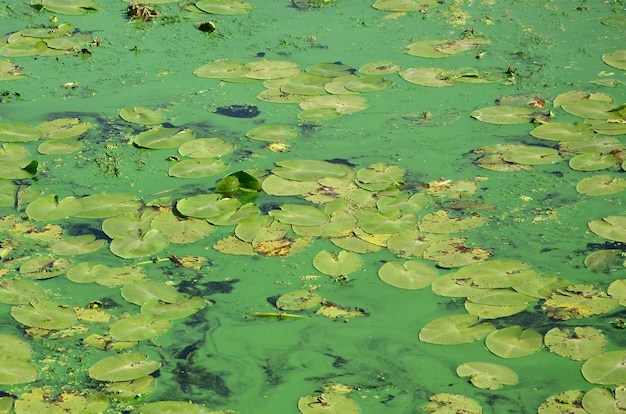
{"points": [[239, 111]]}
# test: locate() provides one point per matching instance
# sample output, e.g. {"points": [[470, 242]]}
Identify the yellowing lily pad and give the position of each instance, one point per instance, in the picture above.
{"points": [[328, 402], [444, 403], [298, 300], [579, 344]]}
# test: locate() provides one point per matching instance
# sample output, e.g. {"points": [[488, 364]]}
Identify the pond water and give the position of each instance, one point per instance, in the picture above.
{"points": [[313, 206]]}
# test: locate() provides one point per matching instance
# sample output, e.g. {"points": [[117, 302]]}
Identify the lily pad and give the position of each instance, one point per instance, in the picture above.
{"points": [[579, 344], [616, 59], [563, 131], [14, 348], [343, 104], [142, 115], [44, 267], [17, 371], [222, 70], [19, 133], [298, 300], [607, 368], [271, 69], [486, 375], [123, 367], [566, 402], [50, 208], [139, 327], [70, 7], [273, 133], [408, 275], [142, 291], [514, 342], [184, 307], [19, 291], [107, 205], [604, 401], [279, 186], [446, 403], [434, 77], [494, 274], [139, 245], [593, 161], [610, 227], [197, 168], [341, 264], [455, 329], [163, 138], [299, 215], [43, 313], [18, 169], [207, 205], [590, 108], [171, 407], [73, 245], [60, 146], [224, 7], [504, 115], [601, 185], [206, 148], [311, 170], [441, 222], [331, 402], [384, 67]]}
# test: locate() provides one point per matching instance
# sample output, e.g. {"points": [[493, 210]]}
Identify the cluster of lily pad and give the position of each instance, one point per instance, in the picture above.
{"points": [[44, 41]]}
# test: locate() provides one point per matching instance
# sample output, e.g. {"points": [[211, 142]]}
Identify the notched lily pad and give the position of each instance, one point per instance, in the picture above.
{"points": [[455, 329], [486, 375], [341, 264], [407, 275], [514, 342]]}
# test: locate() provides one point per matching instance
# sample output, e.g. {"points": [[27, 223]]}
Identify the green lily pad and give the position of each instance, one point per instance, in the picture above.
{"points": [[541, 287], [70, 7], [446, 403], [384, 67], [16, 371], [318, 114], [332, 402], [589, 108], [87, 272], [455, 329], [441, 222], [43, 313], [128, 224], [222, 70], [610, 227], [18, 169], [608, 126], [493, 311], [299, 215], [123, 367], [197, 168], [379, 176], [142, 115], [44, 267], [563, 131], [494, 274], [601, 185], [407, 275], [606, 260], [504, 114], [593, 161], [271, 69], [60, 146], [64, 128], [19, 133], [343, 104], [181, 230], [273, 133], [206, 205], [616, 59], [298, 300], [446, 286], [139, 245], [107, 205], [341, 264], [311, 170], [305, 84], [566, 402], [580, 344], [224, 7], [617, 288], [130, 390], [499, 297], [242, 185], [167, 407], [14, 348], [607, 368], [279, 186], [10, 71], [604, 401], [50, 208], [514, 342], [73, 245], [170, 311], [24, 47], [142, 291], [163, 138], [139, 327], [19, 291], [486, 375], [206, 148]]}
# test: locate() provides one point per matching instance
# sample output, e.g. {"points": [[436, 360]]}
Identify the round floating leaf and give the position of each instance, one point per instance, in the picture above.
{"points": [[18, 169], [486, 375], [225, 7], [14, 348], [409, 275], [329, 69], [590, 108], [440, 222], [343, 104], [50, 208], [606, 260], [602, 401], [446, 286], [379, 68], [19, 291], [172, 407], [610, 227], [299, 215], [445, 403], [607, 368], [44, 267], [563, 131], [541, 287], [273, 133], [129, 390], [163, 138], [64, 128], [206, 205], [83, 244], [134, 247], [123, 367], [435, 77], [580, 344], [593, 161], [60, 146], [617, 288], [142, 291], [271, 69], [43, 313], [493, 311], [318, 114], [566, 402], [275, 185], [341, 264], [170, 311], [107, 205], [138, 328], [616, 59], [504, 115], [494, 274], [70, 7], [129, 224], [206, 148], [197, 168], [305, 84], [514, 342], [333, 402], [601, 185], [500, 297], [298, 300], [222, 70], [310, 170], [19, 133], [181, 230], [16, 371], [142, 115], [455, 329]]}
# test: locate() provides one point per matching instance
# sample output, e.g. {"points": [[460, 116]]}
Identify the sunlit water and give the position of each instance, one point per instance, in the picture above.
{"points": [[223, 356]]}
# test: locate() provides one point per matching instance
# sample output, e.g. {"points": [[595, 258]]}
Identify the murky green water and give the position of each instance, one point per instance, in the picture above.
{"points": [[365, 333]]}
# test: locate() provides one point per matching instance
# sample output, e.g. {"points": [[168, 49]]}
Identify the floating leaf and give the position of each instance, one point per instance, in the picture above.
{"points": [[167, 407], [43, 313], [494, 274], [341, 264], [142, 291], [107, 205], [602, 401], [593, 161], [486, 375], [138, 328], [607, 368], [601, 185], [14, 348], [142, 115], [590, 108], [343, 104], [139, 245], [225, 7], [446, 286], [311, 170], [451, 403], [379, 68], [332, 402], [163, 138], [578, 301], [19, 291], [563, 131], [197, 168], [455, 329], [441, 222], [566, 402], [60, 146], [19, 133], [298, 300], [206, 148], [44, 267], [617, 289], [409, 275], [273, 133], [222, 70], [206, 205], [170, 311], [123, 367], [299, 215], [181, 230], [73, 245], [435, 77], [580, 344], [514, 342], [18, 169], [50, 208], [129, 390], [16, 371], [616, 59], [504, 115], [610, 227]]}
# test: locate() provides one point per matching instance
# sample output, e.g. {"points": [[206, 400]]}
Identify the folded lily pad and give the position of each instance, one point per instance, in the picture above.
{"points": [[455, 329], [123, 367], [486, 375], [580, 344], [514, 342], [607, 368], [408, 275], [18, 169]]}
